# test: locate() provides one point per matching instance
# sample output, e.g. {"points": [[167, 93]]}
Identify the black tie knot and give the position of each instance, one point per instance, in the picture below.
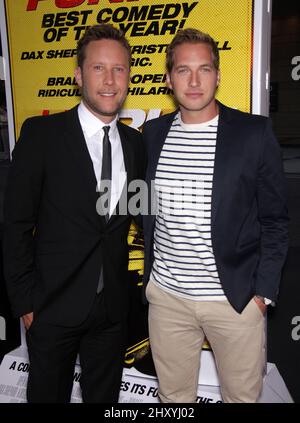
{"points": [[106, 130]]}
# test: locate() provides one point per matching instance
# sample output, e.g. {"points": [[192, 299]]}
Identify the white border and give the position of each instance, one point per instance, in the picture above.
{"points": [[261, 57], [8, 89]]}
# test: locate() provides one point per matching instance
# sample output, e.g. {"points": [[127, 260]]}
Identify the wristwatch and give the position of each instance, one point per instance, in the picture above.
{"points": [[264, 300]]}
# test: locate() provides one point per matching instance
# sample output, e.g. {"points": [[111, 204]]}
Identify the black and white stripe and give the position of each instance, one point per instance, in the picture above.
{"points": [[184, 261]]}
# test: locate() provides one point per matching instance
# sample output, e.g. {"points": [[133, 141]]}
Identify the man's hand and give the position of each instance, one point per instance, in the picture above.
{"points": [[262, 306], [27, 320]]}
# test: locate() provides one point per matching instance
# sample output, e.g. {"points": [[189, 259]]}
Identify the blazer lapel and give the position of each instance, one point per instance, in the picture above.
{"points": [[128, 155], [223, 156], [156, 145], [76, 144]]}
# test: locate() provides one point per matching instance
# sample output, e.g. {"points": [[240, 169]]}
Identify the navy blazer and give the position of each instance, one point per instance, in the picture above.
{"points": [[249, 219]]}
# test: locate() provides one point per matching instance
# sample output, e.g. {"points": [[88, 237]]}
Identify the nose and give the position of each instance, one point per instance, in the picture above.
{"points": [[109, 77], [194, 79]]}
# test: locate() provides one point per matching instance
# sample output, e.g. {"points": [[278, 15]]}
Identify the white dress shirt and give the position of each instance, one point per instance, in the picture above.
{"points": [[93, 133]]}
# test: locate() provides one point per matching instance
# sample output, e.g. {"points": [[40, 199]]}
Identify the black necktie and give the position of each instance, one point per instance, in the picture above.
{"points": [[106, 168], [105, 176]]}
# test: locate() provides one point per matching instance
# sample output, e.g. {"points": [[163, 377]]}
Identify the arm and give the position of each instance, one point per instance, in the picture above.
{"points": [[273, 216], [20, 216]]}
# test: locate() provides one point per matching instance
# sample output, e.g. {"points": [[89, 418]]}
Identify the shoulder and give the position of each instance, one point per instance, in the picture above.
{"points": [[45, 122], [247, 126], [39, 132], [159, 122], [128, 131], [239, 117]]}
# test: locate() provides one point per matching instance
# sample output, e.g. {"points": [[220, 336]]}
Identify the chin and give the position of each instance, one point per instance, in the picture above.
{"points": [[108, 112]]}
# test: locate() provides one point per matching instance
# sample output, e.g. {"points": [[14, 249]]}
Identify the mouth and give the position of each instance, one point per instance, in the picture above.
{"points": [[107, 94], [193, 94]]}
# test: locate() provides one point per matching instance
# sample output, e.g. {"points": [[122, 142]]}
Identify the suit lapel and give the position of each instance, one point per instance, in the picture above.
{"points": [[127, 152], [128, 155], [223, 156], [156, 145], [75, 141], [155, 141]]}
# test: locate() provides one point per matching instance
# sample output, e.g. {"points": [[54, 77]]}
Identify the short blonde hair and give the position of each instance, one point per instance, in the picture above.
{"points": [[192, 36]]}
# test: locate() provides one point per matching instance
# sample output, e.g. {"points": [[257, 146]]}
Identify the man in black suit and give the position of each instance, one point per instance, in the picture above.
{"points": [[215, 249], [65, 251]]}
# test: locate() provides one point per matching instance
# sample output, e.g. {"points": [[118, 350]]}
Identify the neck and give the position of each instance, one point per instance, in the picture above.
{"points": [[199, 116]]}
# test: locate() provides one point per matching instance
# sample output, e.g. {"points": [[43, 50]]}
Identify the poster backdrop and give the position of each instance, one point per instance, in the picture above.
{"points": [[42, 36]]}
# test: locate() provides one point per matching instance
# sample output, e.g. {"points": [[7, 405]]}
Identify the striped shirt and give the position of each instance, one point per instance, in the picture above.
{"points": [[184, 262]]}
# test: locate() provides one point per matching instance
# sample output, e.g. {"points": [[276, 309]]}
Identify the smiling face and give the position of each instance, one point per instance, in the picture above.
{"points": [[104, 78], [194, 81]]}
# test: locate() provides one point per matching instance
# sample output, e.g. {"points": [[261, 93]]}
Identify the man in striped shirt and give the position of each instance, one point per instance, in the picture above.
{"points": [[216, 245]]}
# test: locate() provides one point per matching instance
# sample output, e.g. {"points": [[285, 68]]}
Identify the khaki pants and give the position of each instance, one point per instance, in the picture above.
{"points": [[177, 329]]}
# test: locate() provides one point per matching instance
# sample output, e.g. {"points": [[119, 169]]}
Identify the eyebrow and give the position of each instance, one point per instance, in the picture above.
{"points": [[105, 64], [204, 65]]}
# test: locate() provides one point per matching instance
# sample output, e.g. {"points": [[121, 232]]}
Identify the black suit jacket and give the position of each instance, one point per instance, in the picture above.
{"points": [[249, 221], [52, 190]]}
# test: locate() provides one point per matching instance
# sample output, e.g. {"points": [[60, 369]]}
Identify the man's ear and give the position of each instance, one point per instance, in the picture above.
{"points": [[168, 81], [78, 76], [218, 78]]}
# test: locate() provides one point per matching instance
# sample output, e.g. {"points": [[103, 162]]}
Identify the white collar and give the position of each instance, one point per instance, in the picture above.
{"points": [[197, 126], [90, 124]]}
